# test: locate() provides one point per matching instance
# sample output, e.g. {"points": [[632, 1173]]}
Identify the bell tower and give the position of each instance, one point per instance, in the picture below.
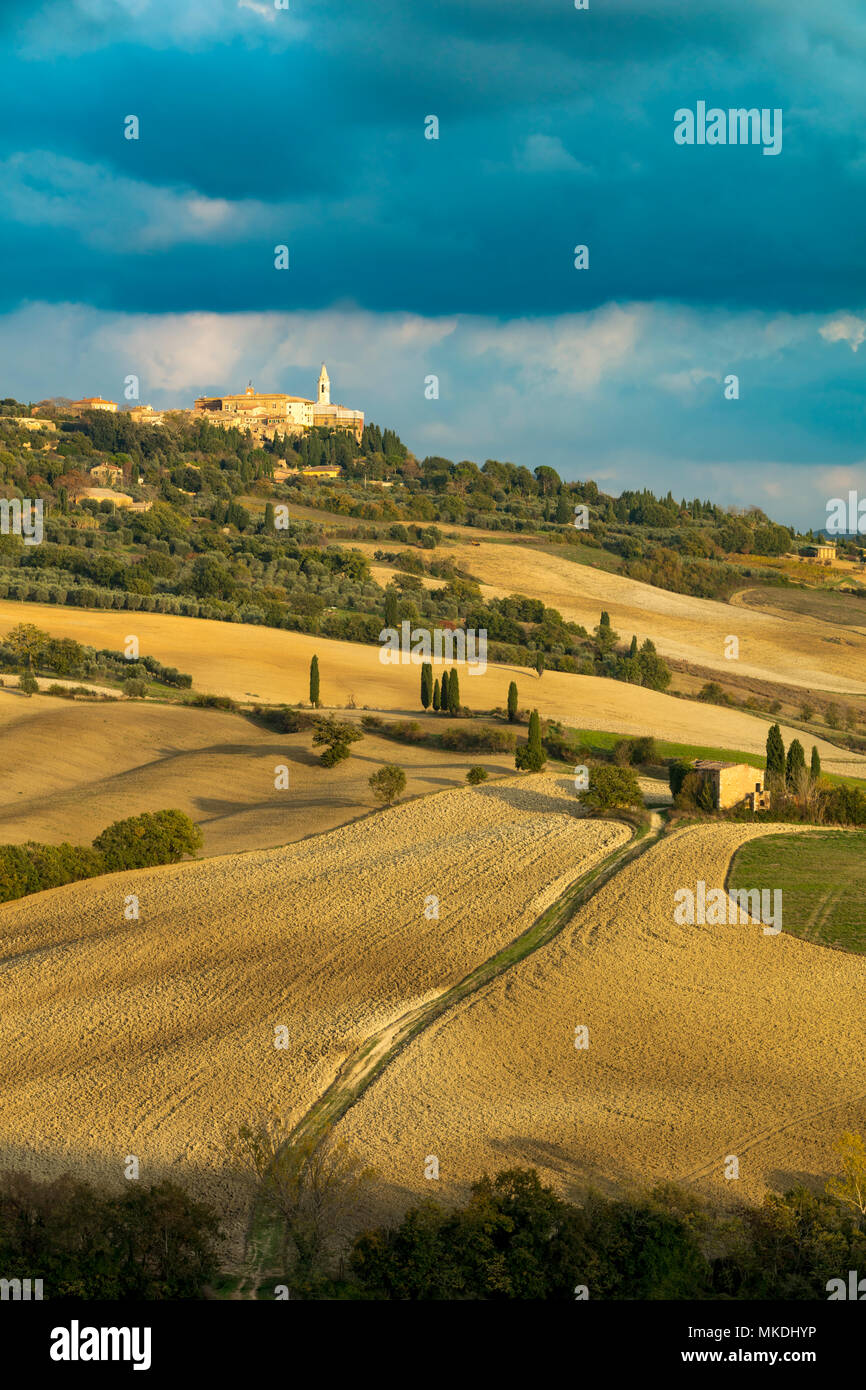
{"points": [[324, 391]]}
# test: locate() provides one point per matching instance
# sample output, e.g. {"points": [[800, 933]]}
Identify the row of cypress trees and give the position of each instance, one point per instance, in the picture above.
{"points": [[441, 695], [787, 767]]}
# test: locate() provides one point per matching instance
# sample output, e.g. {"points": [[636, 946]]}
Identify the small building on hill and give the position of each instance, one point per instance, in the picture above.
{"points": [[824, 552], [732, 783]]}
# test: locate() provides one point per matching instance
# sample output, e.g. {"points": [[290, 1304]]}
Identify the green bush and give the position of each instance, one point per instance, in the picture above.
{"points": [[30, 867], [154, 837], [610, 787], [483, 740], [475, 775]]}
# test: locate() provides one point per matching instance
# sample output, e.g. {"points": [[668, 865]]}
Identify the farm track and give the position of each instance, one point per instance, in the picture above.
{"points": [[367, 1064]]}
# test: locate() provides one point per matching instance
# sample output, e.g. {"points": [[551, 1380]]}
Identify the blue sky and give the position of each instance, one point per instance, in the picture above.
{"points": [[409, 257]]}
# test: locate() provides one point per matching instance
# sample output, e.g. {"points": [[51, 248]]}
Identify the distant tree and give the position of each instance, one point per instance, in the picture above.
{"points": [[539, 663], [564, 509], [268, 523], [443, 692], [775, 753], [392, 609], [512, 702], [388, 783], [529, 757], [437, 697], [28, 684], [604, 620], [850, 1188], [833, 716], [314, 682], [453, 693], [794, 764], [806, 711], [476, 775], [632, 651], [426, 684], [815, 765], [134, 688]]}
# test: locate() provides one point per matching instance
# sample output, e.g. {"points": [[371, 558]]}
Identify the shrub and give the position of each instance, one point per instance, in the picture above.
{"points": [[476, 775], [643, 751], [336, 736], [134, 688], [28, 684], [31, 867], [678, 771], [484, 740], [211, 702], [139, 842]]}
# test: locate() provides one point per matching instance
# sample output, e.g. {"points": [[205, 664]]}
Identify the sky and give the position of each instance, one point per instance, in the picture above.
{"points": [[304, 124]]}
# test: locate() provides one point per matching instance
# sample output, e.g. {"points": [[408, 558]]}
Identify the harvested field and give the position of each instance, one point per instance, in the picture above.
{"points": [[144, 1037], [258, 663], [73, 768], [704, 1041]]}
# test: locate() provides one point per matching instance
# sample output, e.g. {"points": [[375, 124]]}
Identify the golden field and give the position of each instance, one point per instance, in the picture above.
{"points": [[146, 1037], [793, 649], [272, 665], [73, 768], [704, 1042]]}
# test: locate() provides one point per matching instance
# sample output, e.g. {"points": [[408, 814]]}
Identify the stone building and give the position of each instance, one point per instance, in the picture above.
{"points": [[733, 783], [265, 414], [92, 403]]}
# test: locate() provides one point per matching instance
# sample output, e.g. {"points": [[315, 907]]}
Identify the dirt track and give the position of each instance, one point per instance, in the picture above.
{"points": [[704, 1041]]}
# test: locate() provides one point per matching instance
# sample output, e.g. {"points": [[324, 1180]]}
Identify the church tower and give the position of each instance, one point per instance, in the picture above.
{"points": [[324, 393]]}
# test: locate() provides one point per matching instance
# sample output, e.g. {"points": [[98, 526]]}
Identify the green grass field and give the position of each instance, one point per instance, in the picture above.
{"points": [[822, 876]]}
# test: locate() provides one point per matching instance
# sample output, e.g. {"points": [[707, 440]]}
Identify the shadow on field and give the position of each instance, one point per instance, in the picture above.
{"points": [[525, 799]]}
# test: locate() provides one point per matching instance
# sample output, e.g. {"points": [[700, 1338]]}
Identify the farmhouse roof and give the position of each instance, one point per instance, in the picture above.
{"points": [[711, 765]]}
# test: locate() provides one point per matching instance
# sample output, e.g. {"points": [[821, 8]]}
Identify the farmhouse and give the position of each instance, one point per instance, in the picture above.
{"points": [[732, 783], [824, 552]]}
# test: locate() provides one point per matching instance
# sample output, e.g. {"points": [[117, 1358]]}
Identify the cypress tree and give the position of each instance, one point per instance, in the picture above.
{"points": [[530, 756], [512, 702], [443, 691], [453, 693], [815, 766], [314, 682], [392, 612], [795, 762], [534, 739], [437, 701], [775, 752], [632, 651], [539, 663], [604, 620], [426, 684]]}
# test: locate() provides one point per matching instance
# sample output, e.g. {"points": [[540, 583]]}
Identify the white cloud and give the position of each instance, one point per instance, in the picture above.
{"points": [[543, 154], [844, 328], [115, 213]]}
